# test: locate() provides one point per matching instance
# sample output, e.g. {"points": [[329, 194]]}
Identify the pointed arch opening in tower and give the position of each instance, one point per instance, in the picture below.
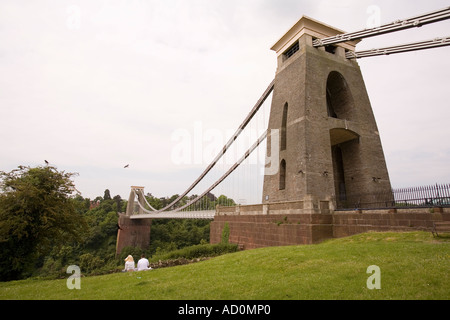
{"points": [[340, 102]]}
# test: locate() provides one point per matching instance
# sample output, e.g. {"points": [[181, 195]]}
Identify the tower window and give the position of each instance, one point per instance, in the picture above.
{"points": [[290, 52], [282, 174], [284, 128], [330, 48]]}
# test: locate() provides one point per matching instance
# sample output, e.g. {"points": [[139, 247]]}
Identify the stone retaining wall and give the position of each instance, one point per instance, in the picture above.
{"points": [[293, 223]]}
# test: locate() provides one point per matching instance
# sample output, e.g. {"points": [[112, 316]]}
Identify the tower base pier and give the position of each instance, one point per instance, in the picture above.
{"points": [[133, 232]]}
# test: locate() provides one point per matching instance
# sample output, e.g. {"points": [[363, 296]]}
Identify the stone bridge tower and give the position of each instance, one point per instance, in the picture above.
{"points": [[324, 143], [133, 233]]}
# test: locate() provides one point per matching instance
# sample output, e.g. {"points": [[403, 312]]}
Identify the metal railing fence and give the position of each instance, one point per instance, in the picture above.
{"points": [[437, 195]]}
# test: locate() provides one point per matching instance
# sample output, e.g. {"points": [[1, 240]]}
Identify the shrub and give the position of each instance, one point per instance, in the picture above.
{"points": [[198, 251], [89, 262], [226, 233]]}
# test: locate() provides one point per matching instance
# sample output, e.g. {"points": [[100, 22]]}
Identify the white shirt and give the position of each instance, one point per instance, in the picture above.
{"points": [[129, 265], [143, 264]]}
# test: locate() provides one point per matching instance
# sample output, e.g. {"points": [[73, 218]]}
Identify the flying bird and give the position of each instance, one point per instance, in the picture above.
{"points": [[127, 166]]}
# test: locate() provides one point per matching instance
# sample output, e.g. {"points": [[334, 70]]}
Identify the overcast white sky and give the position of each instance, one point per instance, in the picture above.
{"points": [[94, 85]]}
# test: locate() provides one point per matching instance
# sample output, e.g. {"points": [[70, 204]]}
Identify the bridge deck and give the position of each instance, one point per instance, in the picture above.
{"points": [[205, 214]]}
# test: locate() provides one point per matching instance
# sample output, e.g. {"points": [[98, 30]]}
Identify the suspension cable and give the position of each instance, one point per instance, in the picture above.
{"points": [[413, 46], [397, 25], [226, 174], [145, 199], [255, 109], [223, 177]]}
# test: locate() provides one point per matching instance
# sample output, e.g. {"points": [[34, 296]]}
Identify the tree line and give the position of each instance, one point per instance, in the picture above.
{"points": [[44, 227]]}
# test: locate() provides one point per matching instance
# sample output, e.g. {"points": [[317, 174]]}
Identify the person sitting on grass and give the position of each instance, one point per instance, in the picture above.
{"points": [[143, 264], [129, 264]]}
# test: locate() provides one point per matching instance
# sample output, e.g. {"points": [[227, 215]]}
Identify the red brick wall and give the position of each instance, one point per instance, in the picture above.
{"points": [[258, 230], [254, 231]]}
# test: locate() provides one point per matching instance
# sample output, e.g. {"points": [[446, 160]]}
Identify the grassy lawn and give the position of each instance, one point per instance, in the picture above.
{"points": [[413, 265]]}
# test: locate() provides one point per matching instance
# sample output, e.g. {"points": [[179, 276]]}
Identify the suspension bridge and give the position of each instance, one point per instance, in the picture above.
{"points": [[309, 151], [139, 208]]}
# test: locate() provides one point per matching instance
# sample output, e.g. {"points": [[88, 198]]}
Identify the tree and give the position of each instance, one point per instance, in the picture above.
{"points": [[107, 195], [118, 201], [37, 213]]}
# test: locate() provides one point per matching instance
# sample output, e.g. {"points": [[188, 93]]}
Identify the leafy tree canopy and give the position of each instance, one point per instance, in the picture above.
{"points": [[37, 212]]}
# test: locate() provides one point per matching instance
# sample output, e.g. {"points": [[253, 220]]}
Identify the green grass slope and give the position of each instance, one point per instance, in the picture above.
{"points": [[413, 266]]}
